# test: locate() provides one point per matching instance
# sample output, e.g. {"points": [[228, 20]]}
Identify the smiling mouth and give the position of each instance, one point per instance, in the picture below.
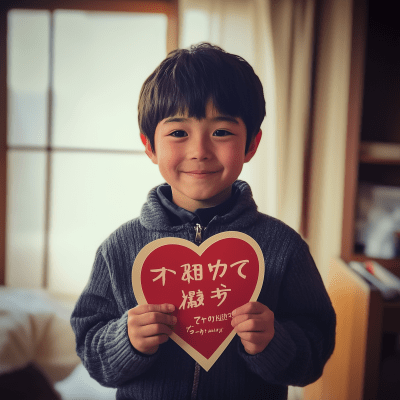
{"points": [[200, 173]]}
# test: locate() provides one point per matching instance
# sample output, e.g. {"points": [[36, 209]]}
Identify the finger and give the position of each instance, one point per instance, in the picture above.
{"points": [[149, 345], [240, 319], [251, 325], [246, 317], [249, 308], [146, 308], [254, 337], [154, 330], [157, 340], [153, 318], [254, 342], [157, 318]]}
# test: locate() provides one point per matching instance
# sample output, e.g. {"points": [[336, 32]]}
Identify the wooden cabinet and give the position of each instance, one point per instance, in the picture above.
{"points": [[373, 140], [367, 326], [364, 320]]}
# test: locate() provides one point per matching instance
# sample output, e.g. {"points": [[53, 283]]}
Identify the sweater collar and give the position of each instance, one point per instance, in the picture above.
{"points": [[203, 216], [243, 212]]}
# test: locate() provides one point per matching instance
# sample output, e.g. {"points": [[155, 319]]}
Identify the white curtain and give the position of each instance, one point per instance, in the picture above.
{"points": [[293, 36], [243, 28], [331, 107]]}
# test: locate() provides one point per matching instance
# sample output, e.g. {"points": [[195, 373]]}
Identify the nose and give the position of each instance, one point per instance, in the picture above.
{"points": [[200, 147]]}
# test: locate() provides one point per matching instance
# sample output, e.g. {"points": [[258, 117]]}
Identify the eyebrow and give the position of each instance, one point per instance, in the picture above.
{"points": [[219, 118], [175, 119], [226, 118]]}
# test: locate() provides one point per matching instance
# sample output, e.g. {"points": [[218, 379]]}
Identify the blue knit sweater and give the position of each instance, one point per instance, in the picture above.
{"points": [[293, 290]]}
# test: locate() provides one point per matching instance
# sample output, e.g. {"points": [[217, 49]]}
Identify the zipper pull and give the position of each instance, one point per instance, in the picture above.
{"points": [[198, 228]]}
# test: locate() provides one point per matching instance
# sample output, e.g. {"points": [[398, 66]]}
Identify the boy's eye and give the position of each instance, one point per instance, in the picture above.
{"points": [[221, 132], [178, 134]]}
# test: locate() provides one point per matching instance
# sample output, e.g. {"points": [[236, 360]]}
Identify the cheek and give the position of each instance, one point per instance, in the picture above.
{"points": [[233, 158], [171, 161], [168, 160]]}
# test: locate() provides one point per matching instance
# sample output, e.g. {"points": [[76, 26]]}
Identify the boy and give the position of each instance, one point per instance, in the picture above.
{"points": [[200, 113]]}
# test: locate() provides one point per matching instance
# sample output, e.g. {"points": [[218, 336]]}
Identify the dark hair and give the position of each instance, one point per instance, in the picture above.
{"points": [[188, 78]]}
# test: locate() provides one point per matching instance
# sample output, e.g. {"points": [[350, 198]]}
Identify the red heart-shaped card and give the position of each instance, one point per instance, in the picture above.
{"points": [[205, 284]]}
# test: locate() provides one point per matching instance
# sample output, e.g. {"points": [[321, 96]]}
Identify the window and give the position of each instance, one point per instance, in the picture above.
{"points": [[75, 165]]}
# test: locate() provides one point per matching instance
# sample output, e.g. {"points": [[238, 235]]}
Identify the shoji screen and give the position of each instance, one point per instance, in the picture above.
{"points": [[76, 167]]}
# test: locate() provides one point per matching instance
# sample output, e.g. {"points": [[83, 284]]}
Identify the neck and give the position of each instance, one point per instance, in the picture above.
{"points": [[193, 204]]}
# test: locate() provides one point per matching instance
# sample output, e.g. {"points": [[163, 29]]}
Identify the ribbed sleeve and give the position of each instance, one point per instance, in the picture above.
{"points": [[101, 332]]}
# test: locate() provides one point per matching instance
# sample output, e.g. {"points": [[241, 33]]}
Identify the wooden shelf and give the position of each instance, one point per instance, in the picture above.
{"points": [[365, 159], [380, 153], [392, 264]]}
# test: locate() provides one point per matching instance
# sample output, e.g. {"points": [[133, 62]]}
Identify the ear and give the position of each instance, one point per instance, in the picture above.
{"points": [[253, 147], [147, 148]]}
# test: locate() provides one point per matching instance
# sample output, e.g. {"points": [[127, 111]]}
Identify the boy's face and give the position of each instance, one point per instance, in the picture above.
{"points": [[201, 159]]}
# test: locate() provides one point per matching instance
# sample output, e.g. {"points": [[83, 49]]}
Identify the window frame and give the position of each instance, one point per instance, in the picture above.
{"points": [[167, 7]]}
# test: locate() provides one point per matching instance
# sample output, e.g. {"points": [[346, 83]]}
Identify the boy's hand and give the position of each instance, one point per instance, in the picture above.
{"points": [[149, 325], [254, 324]]}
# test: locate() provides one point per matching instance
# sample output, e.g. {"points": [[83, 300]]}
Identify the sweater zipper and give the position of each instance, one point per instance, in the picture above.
{"points": [[199, 230], [198, 239]]}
